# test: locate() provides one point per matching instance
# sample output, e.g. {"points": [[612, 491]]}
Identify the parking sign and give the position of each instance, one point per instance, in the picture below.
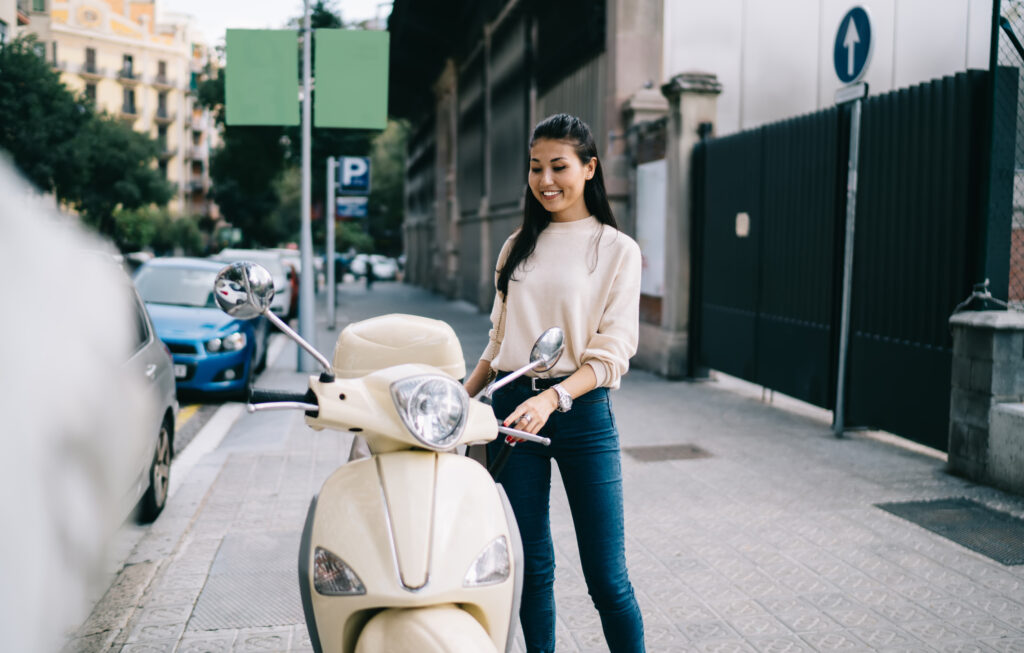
{"points": [[354, 175]]}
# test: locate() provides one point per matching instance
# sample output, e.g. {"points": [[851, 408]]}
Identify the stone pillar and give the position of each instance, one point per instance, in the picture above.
{"points": [[693, 100], [986, 414]]}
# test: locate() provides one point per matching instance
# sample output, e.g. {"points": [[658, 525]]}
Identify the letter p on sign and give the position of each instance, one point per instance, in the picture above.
{"points": [[354, 175]]}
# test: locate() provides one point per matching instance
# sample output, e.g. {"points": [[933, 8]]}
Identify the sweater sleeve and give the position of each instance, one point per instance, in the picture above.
{"points": [[497, 332], [609, 350]]}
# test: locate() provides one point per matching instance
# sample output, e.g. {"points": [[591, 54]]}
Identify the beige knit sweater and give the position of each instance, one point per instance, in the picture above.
{"points": [[584, 277]]}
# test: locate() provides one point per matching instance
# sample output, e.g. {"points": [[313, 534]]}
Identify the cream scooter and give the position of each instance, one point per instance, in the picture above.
{"points": [[414, 548]]}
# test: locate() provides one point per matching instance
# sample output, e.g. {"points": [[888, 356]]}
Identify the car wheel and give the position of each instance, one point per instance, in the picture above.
{"points": [[155, 498]]}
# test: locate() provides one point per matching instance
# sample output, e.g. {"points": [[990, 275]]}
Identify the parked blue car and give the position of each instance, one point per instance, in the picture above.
{"points": [[213, 352]]}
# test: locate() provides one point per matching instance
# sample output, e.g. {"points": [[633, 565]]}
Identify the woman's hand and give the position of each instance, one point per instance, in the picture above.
{"points": [[533, 413]]}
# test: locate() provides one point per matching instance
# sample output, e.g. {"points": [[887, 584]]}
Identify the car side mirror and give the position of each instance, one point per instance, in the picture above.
{"points": [[244, 290]]}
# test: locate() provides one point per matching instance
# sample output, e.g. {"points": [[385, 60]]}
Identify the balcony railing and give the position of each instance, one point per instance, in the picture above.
{"points": [[167, 152], [163, 81], [128, 75], [129, 112], [163, 116], [91, 70]]}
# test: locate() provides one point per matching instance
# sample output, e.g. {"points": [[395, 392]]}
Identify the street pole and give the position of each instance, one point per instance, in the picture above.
{"points": [[307, 320], [839, 416], [329, 215]]}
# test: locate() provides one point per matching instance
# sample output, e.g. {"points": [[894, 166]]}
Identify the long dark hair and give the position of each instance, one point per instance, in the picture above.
{"points": [[559, 127]]}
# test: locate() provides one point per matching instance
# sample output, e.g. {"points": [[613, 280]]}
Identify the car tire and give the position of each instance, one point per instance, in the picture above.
{"points": [[155, 498]]}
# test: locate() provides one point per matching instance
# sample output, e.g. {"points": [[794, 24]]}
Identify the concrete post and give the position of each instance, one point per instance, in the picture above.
{"points": [[692, 99], [986, 414]]}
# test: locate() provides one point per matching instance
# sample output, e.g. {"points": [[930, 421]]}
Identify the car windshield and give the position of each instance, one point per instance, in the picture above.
{"points": [[176, 286]]}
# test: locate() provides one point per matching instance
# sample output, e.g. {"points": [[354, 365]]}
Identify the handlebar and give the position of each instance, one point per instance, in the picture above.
{"points": [[264, 396]]}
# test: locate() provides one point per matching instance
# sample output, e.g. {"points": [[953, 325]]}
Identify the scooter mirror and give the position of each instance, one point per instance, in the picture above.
{"points": [[244, 290], [548, 349]]}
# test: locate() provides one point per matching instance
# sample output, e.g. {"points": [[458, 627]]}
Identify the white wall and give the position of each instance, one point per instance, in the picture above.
{"points": [[774, 57]]}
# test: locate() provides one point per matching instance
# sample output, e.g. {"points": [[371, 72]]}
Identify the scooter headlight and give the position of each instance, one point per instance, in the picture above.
{"points": [[433, 407], [491, 567], [332, 577]]}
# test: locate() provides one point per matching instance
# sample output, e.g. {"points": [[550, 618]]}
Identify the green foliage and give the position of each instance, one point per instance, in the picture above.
{"points": [[351, 235], [244, 171], [39, 119], [118, 172], [134, 228], [155, 228], [92, 163], [387, 187]]}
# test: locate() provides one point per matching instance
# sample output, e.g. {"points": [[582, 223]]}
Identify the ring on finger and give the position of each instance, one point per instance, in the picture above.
{"points": [[527, 418]]}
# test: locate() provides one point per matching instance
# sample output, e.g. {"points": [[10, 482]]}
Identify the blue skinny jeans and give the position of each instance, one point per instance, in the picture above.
{"points": [[585, 444]]}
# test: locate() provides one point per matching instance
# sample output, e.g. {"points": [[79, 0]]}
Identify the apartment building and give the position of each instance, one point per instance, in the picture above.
{"points": [[143, 67]]}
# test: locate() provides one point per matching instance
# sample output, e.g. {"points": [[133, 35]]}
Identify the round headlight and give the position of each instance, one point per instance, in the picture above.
{"points": [[433, 407]]}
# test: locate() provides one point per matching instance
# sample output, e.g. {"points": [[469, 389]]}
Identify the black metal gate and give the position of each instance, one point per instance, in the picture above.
{"points": [[771, 241]]}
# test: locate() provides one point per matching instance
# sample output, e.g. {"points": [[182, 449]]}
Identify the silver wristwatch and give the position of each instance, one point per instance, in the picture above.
{"points": [[564, 398]]}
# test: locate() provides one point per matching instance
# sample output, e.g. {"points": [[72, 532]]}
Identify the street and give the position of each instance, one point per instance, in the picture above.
{"points": [[749, 526]]}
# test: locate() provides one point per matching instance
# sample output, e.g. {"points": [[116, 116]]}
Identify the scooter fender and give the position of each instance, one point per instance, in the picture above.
{"points": [[410, 524]]}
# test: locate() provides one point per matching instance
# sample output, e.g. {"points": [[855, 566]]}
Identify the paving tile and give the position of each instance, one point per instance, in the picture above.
{"points": [[833, 641], [780, 644], [214, 642]]}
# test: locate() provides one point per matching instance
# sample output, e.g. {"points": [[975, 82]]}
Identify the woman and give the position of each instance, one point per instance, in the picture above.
{"points": [[567, 266]]}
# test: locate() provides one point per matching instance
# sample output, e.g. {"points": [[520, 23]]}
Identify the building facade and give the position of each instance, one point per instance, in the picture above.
{"points": [[141, 67]]}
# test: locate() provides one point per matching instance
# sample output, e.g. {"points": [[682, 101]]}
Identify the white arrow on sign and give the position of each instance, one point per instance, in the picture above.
{"points": [[850, 41]]}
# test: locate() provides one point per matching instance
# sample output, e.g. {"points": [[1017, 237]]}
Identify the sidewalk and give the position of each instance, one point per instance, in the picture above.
{"points": [[761, 534]]}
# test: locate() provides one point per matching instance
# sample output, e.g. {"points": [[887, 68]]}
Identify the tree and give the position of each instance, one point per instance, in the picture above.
{"points": [[118, 172], [387, 187], [244, 170], [39, 118], [92, 163]]}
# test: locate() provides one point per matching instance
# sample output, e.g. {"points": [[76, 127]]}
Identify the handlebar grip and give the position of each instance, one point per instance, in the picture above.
{"points": [[263, 396]]}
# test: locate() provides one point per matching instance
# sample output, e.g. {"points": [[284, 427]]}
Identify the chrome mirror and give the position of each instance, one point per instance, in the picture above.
{"points": [[548, 349], [244, 290], [545, 353]]}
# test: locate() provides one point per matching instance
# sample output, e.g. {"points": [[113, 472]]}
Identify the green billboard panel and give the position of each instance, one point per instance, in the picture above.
{"points": [[351, 79], [261, 77]]}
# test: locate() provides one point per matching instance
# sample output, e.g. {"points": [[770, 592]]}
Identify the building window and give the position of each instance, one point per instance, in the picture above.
{"points": [[163, 169], [129, 101], [161, 105], [3, 33], [38, 5], [90, 60], [195, 137], [39, 49], [90, 92], [126, 66], [161, 69], [161, 137], [53, 48]]}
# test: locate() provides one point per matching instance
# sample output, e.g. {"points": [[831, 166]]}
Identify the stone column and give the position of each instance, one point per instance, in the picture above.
{"points": [[986, 413], [693, 100]]}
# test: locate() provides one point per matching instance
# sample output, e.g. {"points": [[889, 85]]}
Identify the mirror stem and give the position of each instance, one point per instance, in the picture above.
{"points": [[326, 364], [501, 383]]}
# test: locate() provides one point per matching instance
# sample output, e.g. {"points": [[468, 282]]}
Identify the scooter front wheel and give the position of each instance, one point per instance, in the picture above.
{"points": [[436, 629]]}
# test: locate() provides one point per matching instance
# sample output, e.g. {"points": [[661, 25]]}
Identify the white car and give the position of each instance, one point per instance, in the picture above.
{"points": [[271, 260], [384, 267]]}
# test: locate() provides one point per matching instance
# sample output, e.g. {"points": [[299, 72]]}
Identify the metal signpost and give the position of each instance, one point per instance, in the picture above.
{"points": [[330, 214], [851, 54]]}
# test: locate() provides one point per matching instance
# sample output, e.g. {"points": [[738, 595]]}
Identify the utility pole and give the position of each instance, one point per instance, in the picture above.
{"points": [[307, 319]]}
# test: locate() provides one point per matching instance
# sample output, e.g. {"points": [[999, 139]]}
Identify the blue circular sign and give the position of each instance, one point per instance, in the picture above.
{"points": [[852, 49]]}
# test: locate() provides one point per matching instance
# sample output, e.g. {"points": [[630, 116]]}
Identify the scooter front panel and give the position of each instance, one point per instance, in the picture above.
{"points": [[352, 521]]}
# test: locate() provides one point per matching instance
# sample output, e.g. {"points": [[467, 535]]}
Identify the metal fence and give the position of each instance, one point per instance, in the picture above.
{"points": [[1010, 54]]}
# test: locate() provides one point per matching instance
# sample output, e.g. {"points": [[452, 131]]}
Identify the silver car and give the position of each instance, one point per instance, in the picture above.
{"points": [[150, 363]]}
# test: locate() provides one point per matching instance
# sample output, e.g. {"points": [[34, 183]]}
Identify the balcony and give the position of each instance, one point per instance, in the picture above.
{"points": [[197, 152], [163, 116], [129, 113], [167, 152], [128, 76], [197, 186], [91, 71], [24, 12], [163, 82]]}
